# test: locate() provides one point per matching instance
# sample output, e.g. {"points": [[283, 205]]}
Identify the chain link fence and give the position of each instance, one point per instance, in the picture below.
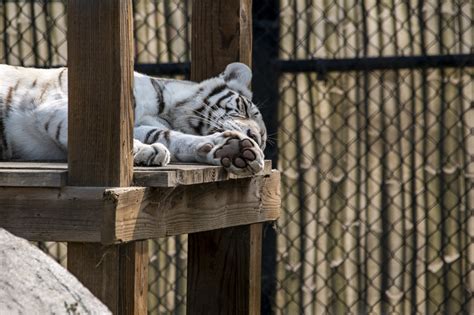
{"points": [[370, 110], [377, 164]]}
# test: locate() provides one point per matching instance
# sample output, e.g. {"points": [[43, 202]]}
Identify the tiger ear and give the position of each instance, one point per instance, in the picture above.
{"points": [[238, 76]]}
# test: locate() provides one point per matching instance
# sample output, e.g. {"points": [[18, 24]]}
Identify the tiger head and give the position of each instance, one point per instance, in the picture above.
{"points": [[229, 105]]}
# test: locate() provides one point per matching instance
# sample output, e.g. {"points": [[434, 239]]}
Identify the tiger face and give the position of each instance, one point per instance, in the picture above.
{"points": [[228, 104]]}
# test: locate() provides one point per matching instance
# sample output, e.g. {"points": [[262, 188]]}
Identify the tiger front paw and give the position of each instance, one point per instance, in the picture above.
{"points": [[236, 152], [155, 154]]}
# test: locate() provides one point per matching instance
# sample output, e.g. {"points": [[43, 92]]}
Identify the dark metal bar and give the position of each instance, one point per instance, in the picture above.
{"points": [[6, 44], [323, 66], [424, 93], [49, 28], [365, 97], [34, 31], [179, 68], [266, 26], [135, 29], [410, 7]]}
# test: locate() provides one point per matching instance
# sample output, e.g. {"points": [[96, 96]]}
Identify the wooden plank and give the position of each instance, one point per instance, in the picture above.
{"points": [[155, 178], [95, 214], [33, 165], [35, 178], [100, 135], [186, 174], [28, 174], [154, 213], [52, 214], [223, 265]]}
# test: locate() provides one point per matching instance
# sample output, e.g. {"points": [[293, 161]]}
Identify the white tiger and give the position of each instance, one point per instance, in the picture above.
{"points": [[211, 122]]}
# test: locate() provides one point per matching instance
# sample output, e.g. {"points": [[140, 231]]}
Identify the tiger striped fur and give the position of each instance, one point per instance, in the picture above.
{"points": [[211, 122]]}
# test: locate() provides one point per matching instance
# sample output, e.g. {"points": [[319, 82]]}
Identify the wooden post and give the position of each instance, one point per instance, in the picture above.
{"points": [[223, 265], [100, 120]]}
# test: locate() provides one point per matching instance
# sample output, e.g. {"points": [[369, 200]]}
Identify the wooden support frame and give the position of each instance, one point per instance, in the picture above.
{"points": [[116, 215], [223, 265], [92, 205], [100, 81]]}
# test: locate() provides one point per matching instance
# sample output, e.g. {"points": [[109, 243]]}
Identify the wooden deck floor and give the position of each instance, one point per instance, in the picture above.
{"points": [[51, 174]]}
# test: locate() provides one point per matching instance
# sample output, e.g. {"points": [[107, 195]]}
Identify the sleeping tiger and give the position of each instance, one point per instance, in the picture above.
{"points": [[213, 122]]}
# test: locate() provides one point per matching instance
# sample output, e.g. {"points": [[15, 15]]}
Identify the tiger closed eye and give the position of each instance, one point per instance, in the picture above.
{"points": [[236, 114]]}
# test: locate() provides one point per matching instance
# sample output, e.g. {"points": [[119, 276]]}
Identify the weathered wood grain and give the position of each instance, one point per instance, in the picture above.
{"points": [[134, 278], [186, 174], [38, 174], [223, 265], [31, 282], [115, 215], [32, 178], [100, 81], [54, 214], [33, 165], [151, 213], [100, 135], [116, 268], [222, 280]]}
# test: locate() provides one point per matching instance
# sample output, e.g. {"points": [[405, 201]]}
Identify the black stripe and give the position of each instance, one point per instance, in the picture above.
{"points": [[184, 102], [159, 95], [246, 107], [200, 109], [60, 77], [239, 104], [46, 126], [218, 102], [167, 136], [8, 100], [209, 114], [4, 144], [45, 87], [58, 131], [216, 90], [156, 136], [148, 134]]}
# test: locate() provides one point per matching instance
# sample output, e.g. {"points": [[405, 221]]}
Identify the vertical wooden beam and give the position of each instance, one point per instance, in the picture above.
{"points": [[223, 265], [224, 271], [100, 73], [100, 133]]}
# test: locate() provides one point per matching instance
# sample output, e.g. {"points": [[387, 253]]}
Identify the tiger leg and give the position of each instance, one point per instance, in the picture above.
{"points": [[147, 152], [233, 150]]}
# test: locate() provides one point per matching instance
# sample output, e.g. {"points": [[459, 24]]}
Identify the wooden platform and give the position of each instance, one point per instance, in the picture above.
{"points": [[44, 174], [36, 203]]}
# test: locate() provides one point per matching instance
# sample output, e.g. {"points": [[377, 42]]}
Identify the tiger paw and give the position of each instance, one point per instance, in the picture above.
{"points": [[155, 154], [236, 152]]}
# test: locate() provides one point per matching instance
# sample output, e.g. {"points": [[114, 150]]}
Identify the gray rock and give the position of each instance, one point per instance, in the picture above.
{"points": [[31, 282]]}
